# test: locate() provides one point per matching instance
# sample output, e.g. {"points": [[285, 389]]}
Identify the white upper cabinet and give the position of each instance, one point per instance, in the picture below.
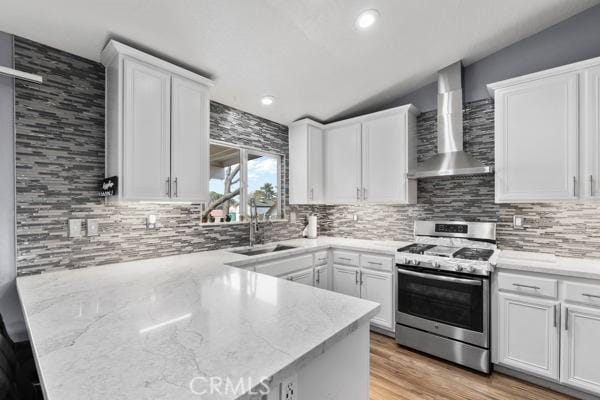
{"points": [[157, 127], [591, 133], [387, 154], [364, 159], [306, 162], [537, 129], [343, 164], [548, 135], [146, 120], [189, 140]]}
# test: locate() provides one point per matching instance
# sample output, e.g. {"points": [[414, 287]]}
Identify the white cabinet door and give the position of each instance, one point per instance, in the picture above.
{"points": [[590, 145], [378, 287], [581, 348], [537, 140], [322, 277], [305, 277], [315, 165], [146, 132], [528, 337], [384, 165], [343, 164], [346, 280], [189, 141]]}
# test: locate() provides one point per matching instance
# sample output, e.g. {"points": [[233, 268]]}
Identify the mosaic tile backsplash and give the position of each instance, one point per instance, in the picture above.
{"points": [[564, 229], [60, 160]]}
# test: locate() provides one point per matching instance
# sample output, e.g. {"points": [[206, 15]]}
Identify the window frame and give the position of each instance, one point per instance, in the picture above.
{"points": [[244, 152]]}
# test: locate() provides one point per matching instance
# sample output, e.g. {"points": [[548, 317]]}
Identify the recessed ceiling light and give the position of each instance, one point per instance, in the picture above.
{"points": [[366, 19], [267, 100]]}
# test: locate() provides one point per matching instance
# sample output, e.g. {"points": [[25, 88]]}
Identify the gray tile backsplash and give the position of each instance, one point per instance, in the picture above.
{"points": [[60, 160]]}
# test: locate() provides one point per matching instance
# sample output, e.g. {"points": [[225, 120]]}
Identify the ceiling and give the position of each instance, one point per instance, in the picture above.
{"points": [[305, 53]]}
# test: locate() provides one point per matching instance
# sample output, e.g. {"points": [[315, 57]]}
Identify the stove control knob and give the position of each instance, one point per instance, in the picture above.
{"points": [[458, 268], [416, 262], [470, 269], [435, 264]]}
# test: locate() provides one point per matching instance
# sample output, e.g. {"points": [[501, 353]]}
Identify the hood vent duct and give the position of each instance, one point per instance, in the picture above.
{"points": [[451, 160]]}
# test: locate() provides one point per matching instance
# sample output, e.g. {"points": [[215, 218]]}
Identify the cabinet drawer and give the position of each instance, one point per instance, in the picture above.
{"points": [[345, 258], [582, 293], [284, 266], [529, 285], [382, 263], [321, 258]]}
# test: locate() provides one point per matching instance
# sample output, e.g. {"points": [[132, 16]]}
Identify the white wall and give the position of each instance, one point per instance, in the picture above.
{"points": [[9, 301]]}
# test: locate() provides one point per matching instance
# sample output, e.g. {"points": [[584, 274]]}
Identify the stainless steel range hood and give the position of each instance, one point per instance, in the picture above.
{"points": [[451, 159]]}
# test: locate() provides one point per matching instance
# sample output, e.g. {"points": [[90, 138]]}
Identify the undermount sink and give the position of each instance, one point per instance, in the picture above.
{"points": [[263, 250]]}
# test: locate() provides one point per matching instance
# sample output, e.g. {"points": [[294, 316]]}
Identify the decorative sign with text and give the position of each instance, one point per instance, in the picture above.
{"points": [[109, 186]]}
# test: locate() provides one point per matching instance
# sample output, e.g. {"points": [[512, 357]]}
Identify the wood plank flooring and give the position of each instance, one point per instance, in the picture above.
{"points": [[398, 373]]}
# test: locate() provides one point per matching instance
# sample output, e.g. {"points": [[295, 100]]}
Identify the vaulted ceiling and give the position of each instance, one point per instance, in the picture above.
{"points": [[306, 53]]}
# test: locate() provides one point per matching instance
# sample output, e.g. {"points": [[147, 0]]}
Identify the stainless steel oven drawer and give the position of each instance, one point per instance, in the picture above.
{"points": [[448, 349]]}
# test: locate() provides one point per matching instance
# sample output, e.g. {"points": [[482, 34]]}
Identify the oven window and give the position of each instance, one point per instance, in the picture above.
{"points": [[451, 303]]}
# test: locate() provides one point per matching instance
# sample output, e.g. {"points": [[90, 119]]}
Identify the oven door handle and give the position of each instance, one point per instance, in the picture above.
{"points": [[472, 282]]}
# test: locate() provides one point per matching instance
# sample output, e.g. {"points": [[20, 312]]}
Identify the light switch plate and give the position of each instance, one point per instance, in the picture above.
{"points": [[74, 228], [92, 227]]}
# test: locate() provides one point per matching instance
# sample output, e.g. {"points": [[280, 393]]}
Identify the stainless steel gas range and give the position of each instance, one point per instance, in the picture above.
{"points": [[443, 296]]}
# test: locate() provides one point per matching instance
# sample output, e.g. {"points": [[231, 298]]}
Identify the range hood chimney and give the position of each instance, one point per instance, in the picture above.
{"points": [[451, 160]]}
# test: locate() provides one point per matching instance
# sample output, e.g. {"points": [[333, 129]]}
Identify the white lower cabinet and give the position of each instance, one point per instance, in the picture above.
{"points": [[378, 287], [305, 276], [551, 331], [322, 277], [529, 335], [346, 280], [581, 348]]}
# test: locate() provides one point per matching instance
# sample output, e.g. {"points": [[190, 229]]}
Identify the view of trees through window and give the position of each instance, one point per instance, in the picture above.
{"points": [[228, 166]]}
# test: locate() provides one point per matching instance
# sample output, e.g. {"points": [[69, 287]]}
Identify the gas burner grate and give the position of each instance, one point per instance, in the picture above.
{"points": [[416, 248], [467, 253]]}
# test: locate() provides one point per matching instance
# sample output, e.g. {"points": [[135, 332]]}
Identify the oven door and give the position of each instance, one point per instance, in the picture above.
{"points": [[451, 305]]}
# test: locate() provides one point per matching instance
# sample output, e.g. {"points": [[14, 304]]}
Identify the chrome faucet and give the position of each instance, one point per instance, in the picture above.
{"points": [[253, 222]]}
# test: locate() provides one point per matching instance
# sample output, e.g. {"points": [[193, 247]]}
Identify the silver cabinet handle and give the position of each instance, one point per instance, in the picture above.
{"points": [[594, 296], [375, 263], [364, 193], [312, 194], [175, 182], [357, 193], [526, 286], [361, 278], [591, 185], [168, 192], [574, 186], [566, 319], [345, 258], [554, 316], [318, 276], [356, 277]]}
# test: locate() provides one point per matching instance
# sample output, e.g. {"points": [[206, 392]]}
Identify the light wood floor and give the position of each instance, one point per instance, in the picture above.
{"points": [[403, 374]]}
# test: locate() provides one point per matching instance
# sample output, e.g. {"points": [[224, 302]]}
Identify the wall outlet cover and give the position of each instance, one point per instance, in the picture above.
{"points": [[92, 227], [518, 222], [289, 388], [74, 228], [292, 217]]}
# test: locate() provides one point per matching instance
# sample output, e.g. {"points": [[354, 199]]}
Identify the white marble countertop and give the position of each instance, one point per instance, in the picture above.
{"points": [[549, 264], [146, 329]]}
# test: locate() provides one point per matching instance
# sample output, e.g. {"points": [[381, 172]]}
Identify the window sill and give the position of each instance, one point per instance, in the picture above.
{"points": [[241, 222]]}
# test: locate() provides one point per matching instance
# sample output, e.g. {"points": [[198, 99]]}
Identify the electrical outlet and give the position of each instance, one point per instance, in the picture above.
{"points": [[518, 221], [292, 217], [289, 388], [74, 228], [92, 227], [355, 217]]}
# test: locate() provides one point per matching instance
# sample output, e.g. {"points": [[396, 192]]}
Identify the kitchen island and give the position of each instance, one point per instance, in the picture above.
{"points": [[192, 327]]}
